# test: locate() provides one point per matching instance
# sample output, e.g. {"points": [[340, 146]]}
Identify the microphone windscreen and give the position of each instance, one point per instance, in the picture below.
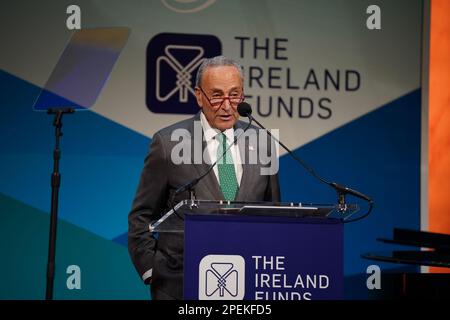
{"points": [[244, 109]]}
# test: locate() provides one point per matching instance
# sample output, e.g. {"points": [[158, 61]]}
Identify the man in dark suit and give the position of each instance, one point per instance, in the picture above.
{"points": [[219, 89]]}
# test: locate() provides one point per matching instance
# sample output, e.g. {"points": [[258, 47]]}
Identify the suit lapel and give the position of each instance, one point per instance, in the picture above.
{"points": [[209, 184], [248, 170]]}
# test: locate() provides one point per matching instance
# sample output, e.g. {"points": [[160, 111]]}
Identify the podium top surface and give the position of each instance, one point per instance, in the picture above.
{"points": [[414, 257], [173, 220]]}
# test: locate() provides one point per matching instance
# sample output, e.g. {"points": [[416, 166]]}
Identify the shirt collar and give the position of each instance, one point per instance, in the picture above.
{"points": [[210, 132]]}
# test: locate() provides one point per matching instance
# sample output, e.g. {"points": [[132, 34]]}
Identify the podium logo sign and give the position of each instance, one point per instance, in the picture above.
{"points": [[172, 63], [221, 277]]}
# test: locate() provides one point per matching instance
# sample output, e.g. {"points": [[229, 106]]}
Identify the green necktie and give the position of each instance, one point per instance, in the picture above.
{"points": [[225, 166]]}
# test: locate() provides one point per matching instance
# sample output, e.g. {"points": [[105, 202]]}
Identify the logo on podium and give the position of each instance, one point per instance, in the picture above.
{"points": [[221, 277], [172, 63]]}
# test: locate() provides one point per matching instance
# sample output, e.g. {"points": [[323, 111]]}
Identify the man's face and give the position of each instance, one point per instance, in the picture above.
{"points": [[218, 82]]}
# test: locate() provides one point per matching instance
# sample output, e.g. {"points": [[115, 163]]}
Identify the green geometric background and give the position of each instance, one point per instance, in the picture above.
{"points": [[106, 269]]}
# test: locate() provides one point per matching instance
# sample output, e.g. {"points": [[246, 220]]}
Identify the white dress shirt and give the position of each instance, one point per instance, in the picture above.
{"points": [[212, 144]]}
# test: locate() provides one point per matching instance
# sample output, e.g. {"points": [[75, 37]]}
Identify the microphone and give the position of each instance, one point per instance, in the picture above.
{"points": [[245, 110], [346, 190], [193, 182]]}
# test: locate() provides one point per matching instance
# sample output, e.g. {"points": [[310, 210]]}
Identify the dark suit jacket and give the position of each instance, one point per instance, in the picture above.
{"points": [[159, 180]]}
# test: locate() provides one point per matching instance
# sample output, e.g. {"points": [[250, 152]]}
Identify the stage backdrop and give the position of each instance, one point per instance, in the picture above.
{"points": [[346, 98]]}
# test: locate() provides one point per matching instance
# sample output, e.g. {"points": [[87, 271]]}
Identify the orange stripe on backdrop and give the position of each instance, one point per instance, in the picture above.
{"points": [[439, 120]]}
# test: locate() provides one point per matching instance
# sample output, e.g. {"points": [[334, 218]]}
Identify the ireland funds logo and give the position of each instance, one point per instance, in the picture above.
{"points": [[172, 63], [221, 277]]}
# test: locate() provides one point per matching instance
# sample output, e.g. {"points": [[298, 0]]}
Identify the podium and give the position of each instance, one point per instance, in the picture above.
{"points": [[259, 251]]}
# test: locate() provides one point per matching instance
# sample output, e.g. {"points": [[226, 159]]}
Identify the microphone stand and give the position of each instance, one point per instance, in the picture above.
{"points": [[341, 190], [55, 183]]}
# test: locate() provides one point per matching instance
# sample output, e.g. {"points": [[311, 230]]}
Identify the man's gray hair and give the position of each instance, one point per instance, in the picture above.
{"points": [[217, 61]]}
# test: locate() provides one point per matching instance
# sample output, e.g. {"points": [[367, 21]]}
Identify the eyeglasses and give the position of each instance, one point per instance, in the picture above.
{"points": [[216, 102]]}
